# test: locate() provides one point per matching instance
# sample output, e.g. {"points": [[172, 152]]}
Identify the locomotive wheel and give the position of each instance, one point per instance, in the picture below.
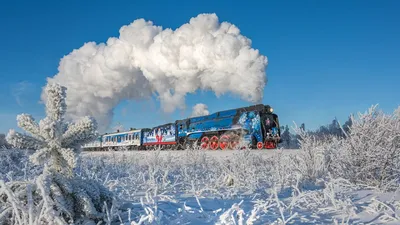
{"points": [[224, 142], [260, 145], [204, 143], [270, 145], [214, 143], [234, 141]]}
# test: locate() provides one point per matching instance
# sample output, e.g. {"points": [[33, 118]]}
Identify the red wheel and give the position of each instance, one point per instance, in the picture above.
{"points": [[223, 142], [204, 142], [234, 141], [269, 145], [260, 145], [214, 142]]}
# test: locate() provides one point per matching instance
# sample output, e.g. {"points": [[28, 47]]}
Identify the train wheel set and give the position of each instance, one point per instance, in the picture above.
{"points": [[229, 142]]}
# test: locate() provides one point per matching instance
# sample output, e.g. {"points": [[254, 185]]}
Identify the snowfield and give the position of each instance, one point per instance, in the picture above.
{"points": [[218, 187]]}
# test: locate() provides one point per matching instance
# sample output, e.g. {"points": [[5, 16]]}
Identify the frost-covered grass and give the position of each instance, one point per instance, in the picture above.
{"points": [[197, 187]]}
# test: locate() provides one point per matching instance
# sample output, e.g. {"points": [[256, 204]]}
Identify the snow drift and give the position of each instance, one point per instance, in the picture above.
{"points": [[146, 59]]}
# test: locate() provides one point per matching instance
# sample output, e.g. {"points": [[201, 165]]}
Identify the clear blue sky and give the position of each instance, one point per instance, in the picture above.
{"points": [[326, 58]]}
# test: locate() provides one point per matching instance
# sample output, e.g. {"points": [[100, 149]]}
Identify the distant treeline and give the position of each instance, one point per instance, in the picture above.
{"points": [[290, 140]]}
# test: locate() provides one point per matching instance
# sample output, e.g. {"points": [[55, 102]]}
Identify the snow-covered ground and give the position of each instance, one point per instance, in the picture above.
{"points": [[219, 187], [227, 187]]}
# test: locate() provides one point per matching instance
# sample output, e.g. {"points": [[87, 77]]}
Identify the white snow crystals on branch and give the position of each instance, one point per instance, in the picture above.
{"points": [[52, 138], [57, 193]]}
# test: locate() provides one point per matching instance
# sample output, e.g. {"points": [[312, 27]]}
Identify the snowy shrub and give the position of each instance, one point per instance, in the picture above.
{"points": [[57, 195], [369, 155], [310, 163]]}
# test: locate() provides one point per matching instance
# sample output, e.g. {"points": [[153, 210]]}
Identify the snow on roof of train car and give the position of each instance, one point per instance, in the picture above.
{"points": [[122, 132]]}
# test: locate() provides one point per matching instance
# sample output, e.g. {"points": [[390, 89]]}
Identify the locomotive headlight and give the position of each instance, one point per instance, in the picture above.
{"points": [[268, 109]]}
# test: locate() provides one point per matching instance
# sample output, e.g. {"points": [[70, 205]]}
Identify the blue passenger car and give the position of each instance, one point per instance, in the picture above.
{"points": [[163, 135]]}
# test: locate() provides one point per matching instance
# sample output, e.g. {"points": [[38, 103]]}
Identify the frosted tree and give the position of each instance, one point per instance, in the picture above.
{"points": [[56, 142], [63, 197]]}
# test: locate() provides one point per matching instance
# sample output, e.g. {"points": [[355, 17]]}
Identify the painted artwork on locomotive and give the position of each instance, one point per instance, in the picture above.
{"points": [[251, 122], [164, 134]]}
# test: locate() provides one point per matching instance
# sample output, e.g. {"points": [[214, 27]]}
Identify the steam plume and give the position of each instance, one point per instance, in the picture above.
{"points": [[200, 109], [147, 59]]}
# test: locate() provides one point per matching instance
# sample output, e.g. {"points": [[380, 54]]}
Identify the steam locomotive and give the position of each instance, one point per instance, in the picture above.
{"points": [[257, 126]]}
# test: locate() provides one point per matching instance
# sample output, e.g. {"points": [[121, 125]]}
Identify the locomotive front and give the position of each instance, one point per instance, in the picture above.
{"points": [[270, 128]]}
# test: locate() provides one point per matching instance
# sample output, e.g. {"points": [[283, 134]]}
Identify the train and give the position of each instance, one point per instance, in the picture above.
{"points": [[257, 126]]}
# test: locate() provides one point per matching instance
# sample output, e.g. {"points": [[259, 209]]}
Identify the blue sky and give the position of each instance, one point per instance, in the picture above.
{"points": [[326, 58]]}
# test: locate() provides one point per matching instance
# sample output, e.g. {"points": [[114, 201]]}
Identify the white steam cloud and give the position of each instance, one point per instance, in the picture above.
{"points": [[200, 109], [147, 59]]}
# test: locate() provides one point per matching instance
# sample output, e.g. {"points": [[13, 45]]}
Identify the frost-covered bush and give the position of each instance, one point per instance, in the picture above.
{"points": [[311, 162], [369, 155], [56, 196]]}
